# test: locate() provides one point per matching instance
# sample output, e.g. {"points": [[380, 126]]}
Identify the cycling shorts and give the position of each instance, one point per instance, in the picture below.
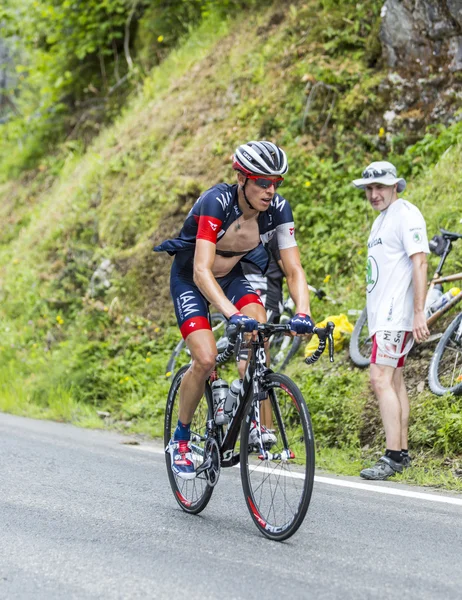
{"points": [[191, 307], [397, 341]]}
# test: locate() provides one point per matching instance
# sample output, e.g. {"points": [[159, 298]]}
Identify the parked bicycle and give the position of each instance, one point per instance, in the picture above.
{"points": [[444, 373], [277, 476]]}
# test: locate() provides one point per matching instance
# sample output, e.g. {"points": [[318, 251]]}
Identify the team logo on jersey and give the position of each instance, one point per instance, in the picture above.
{"points": [[417, 237], [278, 202], [291, 230], [213, 225], [372, 274]]}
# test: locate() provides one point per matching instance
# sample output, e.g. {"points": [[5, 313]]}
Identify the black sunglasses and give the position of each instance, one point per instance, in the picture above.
{"points": [[369, 173]]}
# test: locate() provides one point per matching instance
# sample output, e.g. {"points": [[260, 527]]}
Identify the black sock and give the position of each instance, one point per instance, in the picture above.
{"points": [[394, 455], [404, 452]]}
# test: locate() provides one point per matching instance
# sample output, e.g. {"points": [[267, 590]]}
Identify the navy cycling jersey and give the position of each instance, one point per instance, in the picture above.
{"points": [[216, 210]]}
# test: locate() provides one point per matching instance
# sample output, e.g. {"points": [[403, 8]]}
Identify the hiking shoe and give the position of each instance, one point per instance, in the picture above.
{"points": [[384, 468], [406, 461], [267, 436], [181, 459]]}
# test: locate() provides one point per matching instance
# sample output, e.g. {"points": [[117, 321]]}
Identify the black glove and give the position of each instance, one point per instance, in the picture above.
{"points": [[301, 324]]}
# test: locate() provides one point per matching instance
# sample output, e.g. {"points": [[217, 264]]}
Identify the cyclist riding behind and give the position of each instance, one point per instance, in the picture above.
{"points": [[229, 224], [269, 285]]}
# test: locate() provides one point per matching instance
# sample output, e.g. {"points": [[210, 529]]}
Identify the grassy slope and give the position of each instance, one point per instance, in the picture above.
{"points": [[64, 354]]}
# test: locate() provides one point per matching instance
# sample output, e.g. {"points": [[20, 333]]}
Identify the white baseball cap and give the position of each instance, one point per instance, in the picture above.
{"points": [[380, 172]]}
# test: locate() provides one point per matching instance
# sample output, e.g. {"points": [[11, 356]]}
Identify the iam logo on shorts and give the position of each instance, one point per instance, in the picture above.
{"points": [[372, 274]]}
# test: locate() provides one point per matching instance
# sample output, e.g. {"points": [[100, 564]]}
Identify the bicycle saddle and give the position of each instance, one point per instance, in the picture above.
{"points": [[449, 235]]}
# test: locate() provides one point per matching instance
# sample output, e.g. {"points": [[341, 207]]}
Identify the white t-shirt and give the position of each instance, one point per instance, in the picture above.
{"points": [[397, 233]]}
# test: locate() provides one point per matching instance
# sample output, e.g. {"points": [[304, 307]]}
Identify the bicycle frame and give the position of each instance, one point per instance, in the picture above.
{"points": [[437, 278], [256, 368]]}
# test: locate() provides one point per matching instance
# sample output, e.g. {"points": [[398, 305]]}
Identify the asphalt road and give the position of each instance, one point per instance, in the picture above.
{"points": [[83, 515]]}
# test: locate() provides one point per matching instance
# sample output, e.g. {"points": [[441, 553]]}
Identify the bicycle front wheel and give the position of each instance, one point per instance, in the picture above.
{"points": [[360, 342], [445, 373], [192, 495], [278, 486]]}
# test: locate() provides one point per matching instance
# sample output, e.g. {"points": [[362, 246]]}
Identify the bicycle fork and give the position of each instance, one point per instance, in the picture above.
{"points": [[265, 454]]}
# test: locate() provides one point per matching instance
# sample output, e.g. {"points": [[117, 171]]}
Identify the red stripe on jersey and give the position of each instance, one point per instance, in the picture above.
{"points": [[247, 299], [208, 228], [194, 324]]}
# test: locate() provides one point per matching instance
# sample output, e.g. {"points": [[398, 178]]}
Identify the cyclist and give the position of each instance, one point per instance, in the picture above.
{"points": [[269, 285], [229, 223], [396, 287]]}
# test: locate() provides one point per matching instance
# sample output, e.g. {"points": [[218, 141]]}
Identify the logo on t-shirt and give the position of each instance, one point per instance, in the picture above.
{"points": [[372, 274], [417, 237]]}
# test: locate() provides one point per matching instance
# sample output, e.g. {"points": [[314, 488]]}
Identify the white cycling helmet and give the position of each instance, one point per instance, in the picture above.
{"points": [[260, 158]]}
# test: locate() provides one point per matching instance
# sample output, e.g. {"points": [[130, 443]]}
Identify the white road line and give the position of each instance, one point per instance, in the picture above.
{"points": [[389, 490], [367, 487]]}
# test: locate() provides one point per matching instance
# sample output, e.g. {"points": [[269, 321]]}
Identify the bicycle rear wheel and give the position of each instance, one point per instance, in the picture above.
{"points": [[192, 495], [278, 491], [445, 373], [283, 348], [360, 342]]}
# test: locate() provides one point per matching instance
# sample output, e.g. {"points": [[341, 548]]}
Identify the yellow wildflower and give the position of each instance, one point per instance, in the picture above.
{"points": [[160, 39], [326, 279], [307, 183], [381, 132]]}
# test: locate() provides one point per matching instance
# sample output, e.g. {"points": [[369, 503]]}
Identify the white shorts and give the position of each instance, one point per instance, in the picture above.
{"points": [[393, 348]]}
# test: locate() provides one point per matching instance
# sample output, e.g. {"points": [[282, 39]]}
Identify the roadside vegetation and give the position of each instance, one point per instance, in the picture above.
{"points": [[82, 187]]}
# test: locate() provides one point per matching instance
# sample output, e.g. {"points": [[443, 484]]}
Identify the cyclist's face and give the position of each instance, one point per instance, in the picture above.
{"points": [[259, 197], [381, 196]]}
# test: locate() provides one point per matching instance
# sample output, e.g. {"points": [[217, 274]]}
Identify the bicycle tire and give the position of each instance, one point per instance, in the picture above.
{"points": [[449, 348], [286, 482], [192, 495], [360, 342]]}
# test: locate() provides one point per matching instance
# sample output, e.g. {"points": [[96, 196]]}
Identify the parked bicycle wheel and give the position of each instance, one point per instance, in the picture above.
{"points": [[180, 354], [361, 343], [192, 495], [278, 491], [283, 347], [445, 373]]}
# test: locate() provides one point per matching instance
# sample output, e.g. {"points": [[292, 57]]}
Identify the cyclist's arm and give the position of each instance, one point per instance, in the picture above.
{"points": [[419, 278], [296, 280], [204, 258]]}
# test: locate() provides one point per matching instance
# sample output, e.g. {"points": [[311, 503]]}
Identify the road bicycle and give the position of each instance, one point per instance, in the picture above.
{"points": [[277, 477], [361, 342], [282, 347]]}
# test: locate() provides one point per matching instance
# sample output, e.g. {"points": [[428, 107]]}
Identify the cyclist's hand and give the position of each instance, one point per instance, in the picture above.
{"points": [[420, 329], [301, 324], [243, 322]]}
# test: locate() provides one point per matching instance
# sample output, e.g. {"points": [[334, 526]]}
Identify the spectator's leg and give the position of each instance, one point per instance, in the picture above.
{"points": [[400, 387], [382, 381]]}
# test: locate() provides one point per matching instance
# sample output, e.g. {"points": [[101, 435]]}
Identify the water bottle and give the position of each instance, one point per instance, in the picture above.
{"points": [[220, 389], [231, 398], [445, 298], [433, 298]]}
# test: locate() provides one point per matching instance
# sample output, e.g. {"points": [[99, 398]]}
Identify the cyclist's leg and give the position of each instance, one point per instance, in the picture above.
{"points": [[191, 309], [244, 297]]}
